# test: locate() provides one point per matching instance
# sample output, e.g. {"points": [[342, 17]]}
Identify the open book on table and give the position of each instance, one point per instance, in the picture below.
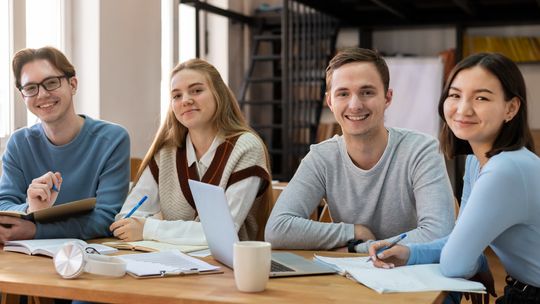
{"points": [[414, 278], [49, 247], [165, 263], [150, 246], [55, 212]]}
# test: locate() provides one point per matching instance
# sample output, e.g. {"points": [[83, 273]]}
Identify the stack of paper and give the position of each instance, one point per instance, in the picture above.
{"points": [[415, 278]]}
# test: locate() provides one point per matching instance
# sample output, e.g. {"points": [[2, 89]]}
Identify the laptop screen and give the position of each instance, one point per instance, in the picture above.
{"points": [[216, 220]]}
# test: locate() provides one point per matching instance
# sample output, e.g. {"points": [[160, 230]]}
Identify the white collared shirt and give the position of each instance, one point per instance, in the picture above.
{"points": [[240, 197]]}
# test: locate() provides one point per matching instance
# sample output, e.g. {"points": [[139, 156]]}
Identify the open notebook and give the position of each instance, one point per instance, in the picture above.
{"points": [[49, 247], [55, 212], [415, 278], [151, 246]]}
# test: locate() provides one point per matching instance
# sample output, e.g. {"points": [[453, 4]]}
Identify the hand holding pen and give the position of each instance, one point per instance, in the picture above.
{"points": [[389, 254], [43, 191], [130, 228]]}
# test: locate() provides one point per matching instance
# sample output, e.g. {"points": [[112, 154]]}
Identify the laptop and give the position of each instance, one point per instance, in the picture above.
{"points": [[221, 234]]}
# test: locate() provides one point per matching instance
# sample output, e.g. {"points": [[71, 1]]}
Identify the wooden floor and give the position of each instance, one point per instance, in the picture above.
{"points": [[499, 274]]}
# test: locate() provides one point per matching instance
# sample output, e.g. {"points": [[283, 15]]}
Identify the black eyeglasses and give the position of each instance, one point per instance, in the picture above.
{"points": [[49, 84]]}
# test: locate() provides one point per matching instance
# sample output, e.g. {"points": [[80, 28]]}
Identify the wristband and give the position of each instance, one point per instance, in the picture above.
{"points": [[351, 245]]}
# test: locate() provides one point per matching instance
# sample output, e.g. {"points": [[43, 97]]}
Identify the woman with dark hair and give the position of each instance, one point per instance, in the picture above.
{"points": [[484, 110]]}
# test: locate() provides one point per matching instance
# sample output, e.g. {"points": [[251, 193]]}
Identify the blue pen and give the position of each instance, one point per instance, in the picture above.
{"points": [[54, 188], [136, 206], [394, 243]]}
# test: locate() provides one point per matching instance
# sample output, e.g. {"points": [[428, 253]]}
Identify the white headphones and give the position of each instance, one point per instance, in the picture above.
{"points": [[73, 259]]}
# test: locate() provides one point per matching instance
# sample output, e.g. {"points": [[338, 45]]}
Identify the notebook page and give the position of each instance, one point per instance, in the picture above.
{"points": [[415, 278], [160, 246]]}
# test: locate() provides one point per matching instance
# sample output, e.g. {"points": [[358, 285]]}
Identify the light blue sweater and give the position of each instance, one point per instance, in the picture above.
{"points": [[500, 208], [94, 164]]}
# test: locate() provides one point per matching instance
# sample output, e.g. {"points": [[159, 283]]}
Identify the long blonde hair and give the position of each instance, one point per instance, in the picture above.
{"points": [[228, 120]]}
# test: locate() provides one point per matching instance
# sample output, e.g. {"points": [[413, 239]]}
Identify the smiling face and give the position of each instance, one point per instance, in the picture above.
{"points": [[54, 106], [358, 100], [475, 108], [192, 100]]}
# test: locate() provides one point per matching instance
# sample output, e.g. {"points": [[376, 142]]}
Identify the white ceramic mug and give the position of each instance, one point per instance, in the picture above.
{"points": [[251, 265]]}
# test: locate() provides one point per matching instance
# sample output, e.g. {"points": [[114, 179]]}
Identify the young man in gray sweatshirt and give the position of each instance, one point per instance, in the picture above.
{"points": [[379, 182]]}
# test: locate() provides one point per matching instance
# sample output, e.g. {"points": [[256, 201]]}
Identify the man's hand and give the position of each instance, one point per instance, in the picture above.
{"points": [[486, 278], [390, 258], [40, 194], [128, 230], [363, 233], [12, 228]]}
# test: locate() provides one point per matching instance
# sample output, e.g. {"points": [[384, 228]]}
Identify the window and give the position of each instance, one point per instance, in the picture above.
{"points": [[5, 69], [44, 27], [177, 43], [42, 22], [187, 32]]}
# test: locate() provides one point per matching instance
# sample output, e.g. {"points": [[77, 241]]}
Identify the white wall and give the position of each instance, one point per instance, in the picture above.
{"points": [[130, 58], [531, 73], [421, 42], [117, 53]]}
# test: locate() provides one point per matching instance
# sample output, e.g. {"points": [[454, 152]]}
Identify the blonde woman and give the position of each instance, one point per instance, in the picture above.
{"points": [[204, 137]]}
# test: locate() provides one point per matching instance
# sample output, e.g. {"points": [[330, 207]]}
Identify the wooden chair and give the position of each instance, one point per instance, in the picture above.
{"points": [[325, 216], [278, 188], [135, 163], [456, 207]]}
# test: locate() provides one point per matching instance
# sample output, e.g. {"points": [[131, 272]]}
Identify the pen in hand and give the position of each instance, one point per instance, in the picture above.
{"points": [[392, 244], [136, 206]]}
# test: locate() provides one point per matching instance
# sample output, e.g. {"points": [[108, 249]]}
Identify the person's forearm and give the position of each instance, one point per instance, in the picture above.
{"points": [[178, 232], [290, 232]]}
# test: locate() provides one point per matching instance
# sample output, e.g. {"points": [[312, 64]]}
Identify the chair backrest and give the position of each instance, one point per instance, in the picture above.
{"points": [[135, 163], [456, 207], [325, 216], [278, 188]]}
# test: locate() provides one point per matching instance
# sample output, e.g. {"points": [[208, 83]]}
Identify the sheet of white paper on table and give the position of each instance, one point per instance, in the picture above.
{"points": [[415, 278]]}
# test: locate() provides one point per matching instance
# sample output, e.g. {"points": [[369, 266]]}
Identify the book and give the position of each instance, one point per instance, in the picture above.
{"points": [[49, 247], [55, 212], [414, 278], [152, 246], [165, 263]]}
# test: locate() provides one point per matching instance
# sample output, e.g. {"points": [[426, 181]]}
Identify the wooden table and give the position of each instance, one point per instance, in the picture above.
{"points": [[21, 274]]}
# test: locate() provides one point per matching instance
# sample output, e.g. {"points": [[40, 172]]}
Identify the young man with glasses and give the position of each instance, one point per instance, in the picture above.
{"points": [[64, 157]]}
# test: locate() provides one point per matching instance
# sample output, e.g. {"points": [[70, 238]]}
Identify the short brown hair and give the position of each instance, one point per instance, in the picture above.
{"points": [[515, 133], [49, 53], [355, 54]]}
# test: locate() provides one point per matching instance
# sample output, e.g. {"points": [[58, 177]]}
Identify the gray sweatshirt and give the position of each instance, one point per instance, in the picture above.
{"points": [[406, 191]]}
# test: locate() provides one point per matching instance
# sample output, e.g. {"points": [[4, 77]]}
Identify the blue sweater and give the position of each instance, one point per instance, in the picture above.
{"points": [[500, 208], [94, 164]]}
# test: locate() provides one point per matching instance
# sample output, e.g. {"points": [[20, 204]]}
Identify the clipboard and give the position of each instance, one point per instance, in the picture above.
{"points": [[165, 274], [166, 263]]}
